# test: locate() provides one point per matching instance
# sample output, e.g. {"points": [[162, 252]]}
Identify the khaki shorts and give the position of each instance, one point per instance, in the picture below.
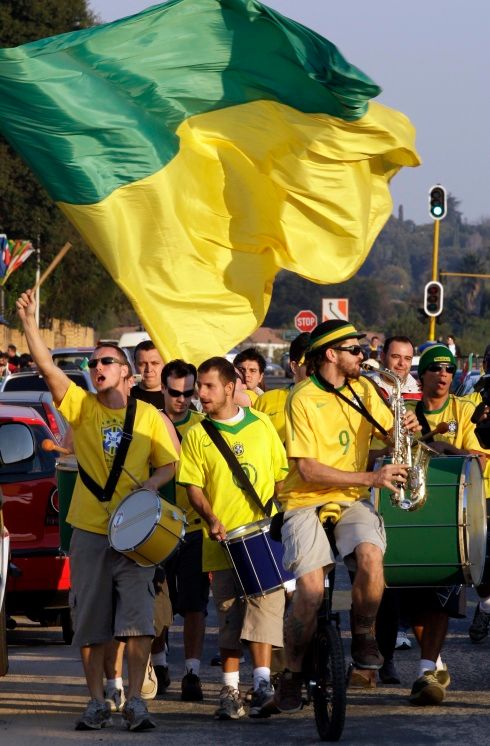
{"points": [[306, 545], [162, 612], [258, 619], [111, 596]]}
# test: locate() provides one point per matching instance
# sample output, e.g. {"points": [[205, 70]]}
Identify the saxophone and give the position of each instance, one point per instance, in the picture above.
{"points": [[412, 495]]}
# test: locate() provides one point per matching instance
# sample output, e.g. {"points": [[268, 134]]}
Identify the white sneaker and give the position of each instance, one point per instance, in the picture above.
{"points": [[402, 641], [114, 698], [150, 684]]}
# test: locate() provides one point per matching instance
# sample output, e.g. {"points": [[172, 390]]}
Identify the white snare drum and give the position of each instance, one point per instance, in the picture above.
{"points": [[146, 528]]}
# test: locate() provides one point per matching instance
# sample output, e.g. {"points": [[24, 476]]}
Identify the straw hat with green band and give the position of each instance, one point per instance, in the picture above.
{"points": [[329, 333], [435, 354]]}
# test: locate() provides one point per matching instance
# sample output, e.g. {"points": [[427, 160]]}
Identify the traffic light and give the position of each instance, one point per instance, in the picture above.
{"points": [[433, 298], [437, 202]]}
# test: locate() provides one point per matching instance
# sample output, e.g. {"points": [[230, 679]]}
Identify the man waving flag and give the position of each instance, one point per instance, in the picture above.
{"points": [[201, 146]]}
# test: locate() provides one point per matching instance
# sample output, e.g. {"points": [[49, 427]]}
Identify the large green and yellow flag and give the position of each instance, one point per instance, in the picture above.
{"points": [[201, 146]]}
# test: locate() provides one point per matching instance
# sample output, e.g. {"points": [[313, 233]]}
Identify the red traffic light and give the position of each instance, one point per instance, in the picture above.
{"points": [[433, 298]]}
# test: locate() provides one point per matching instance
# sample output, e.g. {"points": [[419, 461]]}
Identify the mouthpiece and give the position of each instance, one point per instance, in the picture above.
{"points": [[370, 364]]}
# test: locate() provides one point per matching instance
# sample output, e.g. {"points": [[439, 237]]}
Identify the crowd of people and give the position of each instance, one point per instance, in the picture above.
{"points": [[307, 454]]}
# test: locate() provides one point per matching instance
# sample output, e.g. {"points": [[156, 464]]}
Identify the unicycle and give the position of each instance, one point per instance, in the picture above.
{"points": [[325, 675]]}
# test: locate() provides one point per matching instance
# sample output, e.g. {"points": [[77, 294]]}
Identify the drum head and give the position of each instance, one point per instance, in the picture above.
{"points": [[248, 530], [134, 519], [476, 519]]}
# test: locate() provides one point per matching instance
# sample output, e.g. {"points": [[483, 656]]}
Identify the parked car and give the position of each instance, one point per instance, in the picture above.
{"points": [[16, 445], [467, 385], [42, 402], [71, 358], [39, 587], [274, 370], [33, 381]]}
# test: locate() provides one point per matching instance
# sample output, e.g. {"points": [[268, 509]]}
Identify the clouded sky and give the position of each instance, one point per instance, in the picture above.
{"points": [[432, 59]]}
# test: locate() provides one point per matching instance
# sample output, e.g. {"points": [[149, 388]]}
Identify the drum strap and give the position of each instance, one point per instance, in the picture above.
{"points": [[359, 406], [104, 494], [236, 468], [419, 411]]}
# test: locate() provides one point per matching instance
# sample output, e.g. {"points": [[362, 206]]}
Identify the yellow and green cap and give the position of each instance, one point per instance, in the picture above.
{"points": [[329, 333], [435, 354]]}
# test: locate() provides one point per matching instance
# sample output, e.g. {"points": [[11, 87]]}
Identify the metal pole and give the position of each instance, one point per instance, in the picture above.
{"points": [[435, 273], [38, 276]]}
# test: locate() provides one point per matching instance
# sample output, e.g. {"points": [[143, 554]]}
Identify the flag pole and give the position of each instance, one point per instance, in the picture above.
{"points": [[59, 256], [38, 275]]}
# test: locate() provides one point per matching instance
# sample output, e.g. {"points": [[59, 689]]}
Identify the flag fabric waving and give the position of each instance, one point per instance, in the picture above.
{"points": [[13, 254], [201, 146]]}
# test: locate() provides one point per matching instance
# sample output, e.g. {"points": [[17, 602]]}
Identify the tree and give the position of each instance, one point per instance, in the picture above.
{"points": [[82, 290]]}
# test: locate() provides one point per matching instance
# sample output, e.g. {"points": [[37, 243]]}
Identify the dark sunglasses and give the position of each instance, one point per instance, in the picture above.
{"points": [[104, 360], [353, 349], [176, 393], [437, 367]]}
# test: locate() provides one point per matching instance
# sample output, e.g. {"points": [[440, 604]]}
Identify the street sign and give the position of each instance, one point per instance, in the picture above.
{"points": [[290, 334], [305, 321], [335, 308]]}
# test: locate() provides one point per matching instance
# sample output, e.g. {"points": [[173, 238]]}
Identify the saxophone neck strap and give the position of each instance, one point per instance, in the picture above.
{"points": [[359, 405]]}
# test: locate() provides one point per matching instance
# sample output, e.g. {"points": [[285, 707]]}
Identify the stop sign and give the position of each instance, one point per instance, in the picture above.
{"points": [[305, 321]]}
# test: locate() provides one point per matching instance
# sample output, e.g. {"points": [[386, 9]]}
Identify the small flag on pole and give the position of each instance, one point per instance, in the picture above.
{"points": [[13, 253]]}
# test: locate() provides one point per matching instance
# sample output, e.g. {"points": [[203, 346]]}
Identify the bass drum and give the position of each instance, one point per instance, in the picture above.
{"points": [[445, 541]]}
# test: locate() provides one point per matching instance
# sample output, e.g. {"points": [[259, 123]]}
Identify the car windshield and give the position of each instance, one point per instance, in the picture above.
{"points": [[42, 464]]}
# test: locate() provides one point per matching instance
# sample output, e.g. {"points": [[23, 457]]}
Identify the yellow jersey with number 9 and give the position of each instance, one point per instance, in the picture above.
{"points": [[321, 426]]}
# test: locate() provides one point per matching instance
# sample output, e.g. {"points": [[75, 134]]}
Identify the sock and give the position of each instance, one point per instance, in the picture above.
{"points": [[116, 683], [231, 678], [440, 666], [261, 672], [426, 665], [192, 664], [159, 659], [485, 605]]}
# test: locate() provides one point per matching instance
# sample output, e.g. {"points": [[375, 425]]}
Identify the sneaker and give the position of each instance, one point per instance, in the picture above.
{"points": [[191, 688], [230, 705], [479, 626], [288, 696], [97, 715], [427, 690], [443, 676], [388, 673], [216, 660], [403, 641], [114, 698], [163, 678], [136, 715], [365, 652], [150, 684], [262, 702]]}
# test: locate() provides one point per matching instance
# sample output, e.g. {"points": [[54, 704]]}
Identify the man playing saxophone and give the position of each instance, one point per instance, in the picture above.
{"points": [[330, 420]]}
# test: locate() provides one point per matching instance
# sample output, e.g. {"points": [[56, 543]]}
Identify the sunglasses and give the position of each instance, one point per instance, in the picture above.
{"points": [[104, 360], [353, 349], [437, 367], [176, 393]]}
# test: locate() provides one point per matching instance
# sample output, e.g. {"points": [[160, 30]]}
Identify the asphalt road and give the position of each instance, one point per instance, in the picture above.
{"points": [[44, 692]]}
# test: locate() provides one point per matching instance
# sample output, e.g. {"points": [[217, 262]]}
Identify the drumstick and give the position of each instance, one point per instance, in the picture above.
{"points": [[137, 483], [59, 256], [441, 428], [50, 445]]}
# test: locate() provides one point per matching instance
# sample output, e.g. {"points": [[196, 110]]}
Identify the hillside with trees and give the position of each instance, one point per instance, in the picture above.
{"points": [[385, 295]]}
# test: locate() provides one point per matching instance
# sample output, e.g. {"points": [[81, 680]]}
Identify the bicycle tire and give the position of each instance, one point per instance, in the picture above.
{"points": [[329, 693], [4, 660]]}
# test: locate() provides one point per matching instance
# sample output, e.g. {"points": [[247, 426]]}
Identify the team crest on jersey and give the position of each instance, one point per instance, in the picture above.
{"points": [[452, 426], [111, 437], [238, 449]]}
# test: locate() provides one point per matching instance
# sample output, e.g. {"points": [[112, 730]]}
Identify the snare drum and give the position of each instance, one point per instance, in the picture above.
{"points": [[256, 559], [66, 476], [146, 528], [443, 542]]}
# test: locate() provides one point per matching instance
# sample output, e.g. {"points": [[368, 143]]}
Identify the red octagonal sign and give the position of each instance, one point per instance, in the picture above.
{"points": [[305, 321]]}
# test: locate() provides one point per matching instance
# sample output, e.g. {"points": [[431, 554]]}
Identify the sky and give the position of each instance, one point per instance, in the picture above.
{"points": [[432, 60]]}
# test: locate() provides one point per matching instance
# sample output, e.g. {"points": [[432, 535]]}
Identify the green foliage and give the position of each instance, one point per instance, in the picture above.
{"points": [[80, 289], [386, 295]]}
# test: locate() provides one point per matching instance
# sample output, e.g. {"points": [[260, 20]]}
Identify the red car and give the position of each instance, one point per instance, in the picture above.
{"points": [[38, 588]]}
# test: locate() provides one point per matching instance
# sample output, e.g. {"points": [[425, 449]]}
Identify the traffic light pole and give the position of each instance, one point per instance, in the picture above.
{"points": [[435, 273]]}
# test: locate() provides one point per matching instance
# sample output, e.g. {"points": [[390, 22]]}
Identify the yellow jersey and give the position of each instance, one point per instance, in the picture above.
{"points": [[321, 426], [97, 431], [260, 453], [273, 404]]}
